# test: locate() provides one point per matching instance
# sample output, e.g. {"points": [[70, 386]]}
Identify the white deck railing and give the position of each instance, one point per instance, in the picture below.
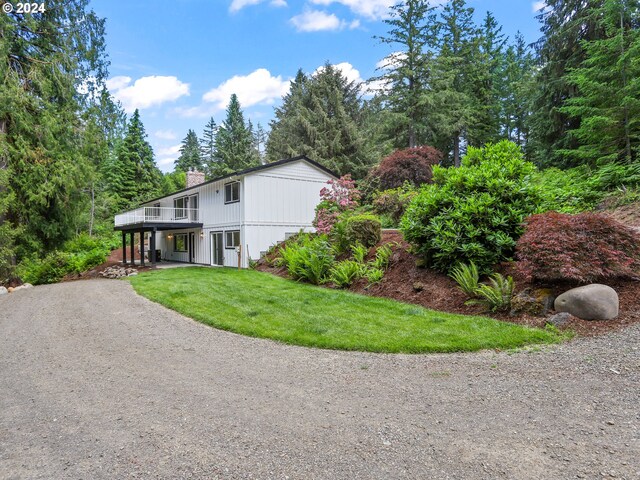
{"points": [[157, 215]]}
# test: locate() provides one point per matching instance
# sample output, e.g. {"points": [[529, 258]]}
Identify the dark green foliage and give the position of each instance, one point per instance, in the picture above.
{"points": [[210, 162], [607, 105], [134, 174], [364, 229], [321, 117], [467, 278], [190, 155], [234, 142], [587, 247], [406, 72], [473, 213]]}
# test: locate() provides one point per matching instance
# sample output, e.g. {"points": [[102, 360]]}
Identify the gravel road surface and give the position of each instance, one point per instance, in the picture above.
{"points": [[97, 382]]}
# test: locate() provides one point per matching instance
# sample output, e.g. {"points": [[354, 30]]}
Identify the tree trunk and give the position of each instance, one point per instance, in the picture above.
{"points": [[93, 209], [456, 151]]}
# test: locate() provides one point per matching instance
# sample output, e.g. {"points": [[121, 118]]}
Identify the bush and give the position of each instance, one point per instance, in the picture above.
{"points": [[467, 277], [344, 273], [496, 296], [586, 247], [374, 275], [473, 213], [365, 229], [413, 165], [393, 203], [340, 196], [567, 191]]}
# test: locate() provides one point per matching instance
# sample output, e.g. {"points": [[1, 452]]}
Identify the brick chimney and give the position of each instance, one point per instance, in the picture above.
{"points": [[194, 177]]}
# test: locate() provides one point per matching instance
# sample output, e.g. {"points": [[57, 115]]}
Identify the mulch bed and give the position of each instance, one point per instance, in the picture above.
{"points": [[405, 282], [114, 258]]}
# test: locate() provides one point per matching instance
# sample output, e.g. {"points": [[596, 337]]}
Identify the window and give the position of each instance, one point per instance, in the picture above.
{"points": [[179, 205], [180, 242], [232, 192], [232, 239], [193, 208]]}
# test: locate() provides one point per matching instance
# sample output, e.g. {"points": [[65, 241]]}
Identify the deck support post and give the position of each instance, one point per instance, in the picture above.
{"points": [[132, 247], [152, 247], [124, 248], [142, 248]]}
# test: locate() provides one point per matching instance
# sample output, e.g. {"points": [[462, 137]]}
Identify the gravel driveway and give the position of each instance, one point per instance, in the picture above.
{"points": [[97, 382]]}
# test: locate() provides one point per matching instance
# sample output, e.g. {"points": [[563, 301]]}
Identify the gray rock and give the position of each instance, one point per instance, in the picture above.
{"points": [[3, 291], [27, 285], [559, 319], [591, 302]]}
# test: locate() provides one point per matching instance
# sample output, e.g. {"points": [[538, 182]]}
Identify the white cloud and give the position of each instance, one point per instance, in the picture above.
{"points": [[257, 88], [167, 156], [165, 134], [390, 60], [538, 5], [237, 5], [317, 20], [146, 92], [371, 9]]}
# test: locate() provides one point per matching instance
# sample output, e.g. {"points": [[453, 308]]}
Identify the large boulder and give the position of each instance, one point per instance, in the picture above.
{"points": [[591, 302]]}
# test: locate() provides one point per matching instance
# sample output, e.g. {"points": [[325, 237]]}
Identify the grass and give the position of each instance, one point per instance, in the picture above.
{"points": [[262, 305]]}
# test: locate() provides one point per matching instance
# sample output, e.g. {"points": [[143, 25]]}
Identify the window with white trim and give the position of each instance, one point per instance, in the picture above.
{"points": [[180, 242]]}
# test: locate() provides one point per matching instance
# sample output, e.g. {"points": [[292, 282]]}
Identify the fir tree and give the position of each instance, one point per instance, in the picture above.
{"points": [[189, 158], [135, 175], [234, 142], [406, 71], [607, 102], [208, 149]]}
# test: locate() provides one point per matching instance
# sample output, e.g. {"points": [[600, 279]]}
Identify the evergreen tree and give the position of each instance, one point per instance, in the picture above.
{"points": [[517, 86], [45, 58], [566, 25], [234, 142], [286, 126], [322, 119], [453, 97], [607, 101], [189, 154], [208, 149], [135, 175], [259, 143], [406, 71]]}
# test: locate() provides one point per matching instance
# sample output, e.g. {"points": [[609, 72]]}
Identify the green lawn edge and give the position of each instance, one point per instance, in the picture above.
{"points": [[262, 305]]}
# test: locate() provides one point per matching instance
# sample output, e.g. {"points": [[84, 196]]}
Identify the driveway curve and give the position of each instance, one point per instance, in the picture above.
{"points": [[98, 382]]}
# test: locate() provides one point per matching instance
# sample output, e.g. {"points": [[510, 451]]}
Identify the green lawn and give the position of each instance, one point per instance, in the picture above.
{"points": [[262, 305]]}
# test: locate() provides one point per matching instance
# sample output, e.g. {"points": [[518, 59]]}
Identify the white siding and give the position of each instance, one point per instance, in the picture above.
{"points": [[273, 202]]}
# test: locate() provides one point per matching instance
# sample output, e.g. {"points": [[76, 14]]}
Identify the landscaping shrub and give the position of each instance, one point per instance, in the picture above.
{"points": [[340, 196], [76, 256], [344, 273], [467, 278], [497, 295], [473, 213], [393, 203], [365, 229], [359, 252], [587, 247], [412, 165]]}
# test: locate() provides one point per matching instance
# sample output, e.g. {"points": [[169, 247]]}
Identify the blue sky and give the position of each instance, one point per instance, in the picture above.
{"points": [[179, 61]]}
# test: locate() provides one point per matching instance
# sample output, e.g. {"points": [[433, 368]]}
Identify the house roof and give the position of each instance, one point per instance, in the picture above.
{"points": [[246, 171]]}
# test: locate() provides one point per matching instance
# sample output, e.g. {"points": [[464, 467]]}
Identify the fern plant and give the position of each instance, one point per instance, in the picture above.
{"points": [[383, 254], [359, 251], [344, 273], [497, 295], [374, 275], [467, 277]]}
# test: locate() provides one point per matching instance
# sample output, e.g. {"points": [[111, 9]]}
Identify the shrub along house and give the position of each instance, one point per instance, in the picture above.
{"points": [[228, 220]]}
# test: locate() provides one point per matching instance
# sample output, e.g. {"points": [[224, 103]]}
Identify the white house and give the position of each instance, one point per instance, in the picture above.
{"points": [[229, 220]]}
